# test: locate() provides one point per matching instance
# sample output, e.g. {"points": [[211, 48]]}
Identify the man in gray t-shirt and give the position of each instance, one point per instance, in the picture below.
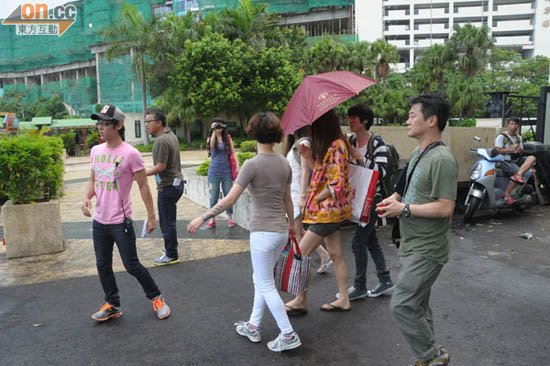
{"points": [[167, 172]]}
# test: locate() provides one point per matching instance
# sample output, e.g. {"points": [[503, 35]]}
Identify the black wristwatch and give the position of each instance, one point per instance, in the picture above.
{"points": [[406, 210]]}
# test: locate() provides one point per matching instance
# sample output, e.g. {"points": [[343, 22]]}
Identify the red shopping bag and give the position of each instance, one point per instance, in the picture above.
{"points": [[363, 183], [292, 268]]}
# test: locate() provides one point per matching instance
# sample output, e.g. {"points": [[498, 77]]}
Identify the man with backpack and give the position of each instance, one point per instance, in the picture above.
{"points": [[370, 151], [510, 145]]}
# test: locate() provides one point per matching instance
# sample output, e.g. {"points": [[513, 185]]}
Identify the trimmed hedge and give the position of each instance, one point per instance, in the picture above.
{"points": [[243, 156], [248, 146], [203, 168], [32, 168]]}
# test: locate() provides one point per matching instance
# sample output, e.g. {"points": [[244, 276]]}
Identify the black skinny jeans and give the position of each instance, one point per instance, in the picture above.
{"points": [[104, 238]]}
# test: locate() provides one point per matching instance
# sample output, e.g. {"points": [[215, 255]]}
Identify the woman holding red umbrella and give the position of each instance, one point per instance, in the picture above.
{"points": [[328, 204]]}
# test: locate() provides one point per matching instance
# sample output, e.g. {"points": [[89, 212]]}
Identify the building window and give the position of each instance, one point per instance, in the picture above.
{"points": [[137, 128]]}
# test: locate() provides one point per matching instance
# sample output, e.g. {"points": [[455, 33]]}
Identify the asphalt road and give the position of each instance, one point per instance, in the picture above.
{"points": [[491, 307]]}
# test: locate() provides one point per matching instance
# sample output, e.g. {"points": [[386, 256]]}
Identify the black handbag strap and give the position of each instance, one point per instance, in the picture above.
{"points": [[424, 152]]}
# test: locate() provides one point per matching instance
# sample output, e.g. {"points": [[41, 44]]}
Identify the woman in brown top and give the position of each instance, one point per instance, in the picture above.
{"points": [[268, 177]]}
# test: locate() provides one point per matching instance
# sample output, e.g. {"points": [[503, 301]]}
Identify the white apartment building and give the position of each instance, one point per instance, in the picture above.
{"points": [[412, 25]]}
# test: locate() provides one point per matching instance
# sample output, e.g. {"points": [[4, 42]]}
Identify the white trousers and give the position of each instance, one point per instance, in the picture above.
{"points": [[265, 248]]}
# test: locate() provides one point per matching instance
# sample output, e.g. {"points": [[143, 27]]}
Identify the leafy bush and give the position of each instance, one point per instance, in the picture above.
{"points": [[183, 146], [248, 146], [32, 168], [198, 144], [203, 168], [464, 122], [243, 156], [92, 138], [69, 142], [528, 136], [145, 148]]}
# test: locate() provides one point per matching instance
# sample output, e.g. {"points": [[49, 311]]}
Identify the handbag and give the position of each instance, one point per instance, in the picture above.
{"points": [[292, 268], [232, 160], [363, 183]]}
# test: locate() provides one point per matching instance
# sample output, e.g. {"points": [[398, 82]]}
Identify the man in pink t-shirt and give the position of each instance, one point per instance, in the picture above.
{"points": [[114, 166]]}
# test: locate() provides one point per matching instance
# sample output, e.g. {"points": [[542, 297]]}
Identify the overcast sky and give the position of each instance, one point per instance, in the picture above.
{"points": [[8, 6]]}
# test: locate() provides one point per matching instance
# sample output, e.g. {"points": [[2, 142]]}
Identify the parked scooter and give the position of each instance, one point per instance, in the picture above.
{"points": [[488, 182]]}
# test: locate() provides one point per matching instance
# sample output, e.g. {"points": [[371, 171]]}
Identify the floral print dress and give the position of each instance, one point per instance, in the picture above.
{"points": [[333, 173]]}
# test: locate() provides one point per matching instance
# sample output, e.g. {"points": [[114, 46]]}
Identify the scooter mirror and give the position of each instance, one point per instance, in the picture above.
{"points": [[478, 139]]}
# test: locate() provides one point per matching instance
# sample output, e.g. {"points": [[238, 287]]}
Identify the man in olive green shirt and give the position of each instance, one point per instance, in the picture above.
{"points": [[167, 172], [424, 203]]}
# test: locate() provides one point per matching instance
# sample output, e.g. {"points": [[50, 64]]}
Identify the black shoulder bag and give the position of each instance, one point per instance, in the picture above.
{"points": [[401, 187]]}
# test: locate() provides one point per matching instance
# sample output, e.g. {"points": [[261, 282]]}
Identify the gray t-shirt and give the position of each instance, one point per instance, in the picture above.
{"points": [[167, 150], [267, 176], [435, 177]]}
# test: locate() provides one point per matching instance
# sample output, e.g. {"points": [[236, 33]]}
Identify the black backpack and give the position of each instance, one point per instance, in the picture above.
{"points": [[387, 182]]}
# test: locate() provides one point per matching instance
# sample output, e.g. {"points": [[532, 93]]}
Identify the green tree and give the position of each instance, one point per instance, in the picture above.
{"points": [[470, 46], [327, 54], [273, 78], [12, 101], [250, 22], [383, 54], [464, 95], [428, 74], [168, 43], [360, 58], [132, 34], [210, 72], [390, 100]]}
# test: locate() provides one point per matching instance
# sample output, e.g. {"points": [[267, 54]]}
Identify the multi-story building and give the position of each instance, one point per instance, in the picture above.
{"points": [[413, 25], [75, 67]]}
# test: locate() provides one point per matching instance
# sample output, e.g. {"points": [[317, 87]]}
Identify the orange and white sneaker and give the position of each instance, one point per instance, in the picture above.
{"points": [[161, 307], [106, 312]]}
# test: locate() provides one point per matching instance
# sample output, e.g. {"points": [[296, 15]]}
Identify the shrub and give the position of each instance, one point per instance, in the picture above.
{"points": [[32, 168], [203, 168], [69, 142], [248, 146], [528, 136], [198, 144], [243, 156], [145, 148], [92, 139]]}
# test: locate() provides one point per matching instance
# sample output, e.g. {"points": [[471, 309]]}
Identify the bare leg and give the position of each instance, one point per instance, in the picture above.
{"points": [[334, 246], [529, 162], [509, 188]]}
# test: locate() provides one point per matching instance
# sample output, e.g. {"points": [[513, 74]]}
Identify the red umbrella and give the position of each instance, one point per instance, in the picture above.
{"points": [[318, 94]]}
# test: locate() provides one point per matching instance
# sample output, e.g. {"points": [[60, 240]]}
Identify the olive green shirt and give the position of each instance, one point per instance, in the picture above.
{"points": [[435, 177], [166, 150]]}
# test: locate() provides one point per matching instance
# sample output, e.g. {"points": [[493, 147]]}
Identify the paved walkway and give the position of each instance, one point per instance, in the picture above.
{"points": [[78, 258]]}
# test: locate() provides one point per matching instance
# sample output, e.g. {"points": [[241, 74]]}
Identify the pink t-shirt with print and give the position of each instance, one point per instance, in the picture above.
{"points": [[114, 169]]}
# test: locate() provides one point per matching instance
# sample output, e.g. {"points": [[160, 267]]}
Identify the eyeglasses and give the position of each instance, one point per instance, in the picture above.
{"points": [[151, 120]]}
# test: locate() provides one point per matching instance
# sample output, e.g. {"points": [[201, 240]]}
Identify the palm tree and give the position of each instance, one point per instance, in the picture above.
{"points": [[249, 22], [470, 46], [327, 54], [360, 57], [434, 62], [384, 54], [132, 34]]}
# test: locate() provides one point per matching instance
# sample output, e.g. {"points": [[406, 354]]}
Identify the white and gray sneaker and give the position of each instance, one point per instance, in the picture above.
{"points": [[164, 260], [284, 342], [249, 331]]}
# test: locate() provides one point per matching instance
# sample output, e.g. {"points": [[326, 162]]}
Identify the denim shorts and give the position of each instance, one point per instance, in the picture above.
{"points": [[325, 230]]}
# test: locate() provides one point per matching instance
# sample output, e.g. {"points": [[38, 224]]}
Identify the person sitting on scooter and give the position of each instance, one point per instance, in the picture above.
{"points": [[510, 144]]}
